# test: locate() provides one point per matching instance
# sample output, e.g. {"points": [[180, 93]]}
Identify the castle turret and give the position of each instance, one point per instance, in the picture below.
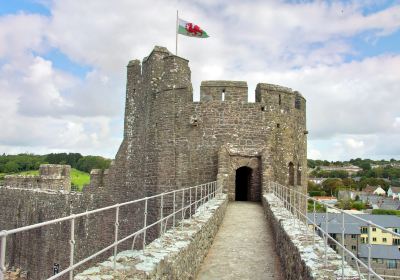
{"points": [[133, 83]]}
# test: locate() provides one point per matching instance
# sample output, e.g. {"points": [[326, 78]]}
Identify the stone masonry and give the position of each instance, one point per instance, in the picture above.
{"points": [[302, 251], [178, 254], [171, 142], [51, 177]]}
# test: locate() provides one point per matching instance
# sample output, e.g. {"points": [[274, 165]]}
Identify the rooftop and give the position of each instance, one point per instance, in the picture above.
{"points": [[380, 252]]}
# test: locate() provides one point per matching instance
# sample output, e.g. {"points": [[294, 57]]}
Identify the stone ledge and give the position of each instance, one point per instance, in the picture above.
{"points": [[178, 254], [301, 260], [38, 190]]}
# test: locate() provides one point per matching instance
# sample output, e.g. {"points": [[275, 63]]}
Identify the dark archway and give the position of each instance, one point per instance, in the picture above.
{"points": [[242, 183]]}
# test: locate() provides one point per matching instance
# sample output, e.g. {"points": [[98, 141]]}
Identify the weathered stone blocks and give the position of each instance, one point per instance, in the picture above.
{"points": [[51, 177], [176, 255]]}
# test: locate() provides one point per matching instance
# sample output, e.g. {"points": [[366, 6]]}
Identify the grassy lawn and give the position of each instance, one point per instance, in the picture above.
{"points": [[78, 178], [30, 172]]}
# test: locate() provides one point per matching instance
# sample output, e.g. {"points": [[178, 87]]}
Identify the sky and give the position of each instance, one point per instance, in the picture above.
{"points": [[63, 67]]}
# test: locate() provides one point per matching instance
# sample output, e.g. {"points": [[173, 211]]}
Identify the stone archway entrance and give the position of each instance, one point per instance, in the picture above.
{"points": [[242, 183], [241, 167]]}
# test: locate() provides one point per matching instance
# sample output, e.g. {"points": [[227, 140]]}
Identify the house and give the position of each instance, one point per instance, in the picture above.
{"points": [[350, 169], [317, 181], [353, 225], [394, 192], [330, 200], [346, 195], [383, 257], [369, 189], [380, 191], [353, 235], [377, 190]]}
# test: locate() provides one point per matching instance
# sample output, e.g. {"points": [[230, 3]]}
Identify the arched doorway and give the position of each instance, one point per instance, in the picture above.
{"points": [[242, 183]]}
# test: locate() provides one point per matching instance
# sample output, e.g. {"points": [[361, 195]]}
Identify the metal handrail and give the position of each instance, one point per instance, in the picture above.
{"points": [[202, 194], [289, 196]]}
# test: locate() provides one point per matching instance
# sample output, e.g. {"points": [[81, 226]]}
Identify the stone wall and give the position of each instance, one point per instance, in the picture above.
{"points": [[178, 254], [51, 177], [35, 251], [300, 257]]}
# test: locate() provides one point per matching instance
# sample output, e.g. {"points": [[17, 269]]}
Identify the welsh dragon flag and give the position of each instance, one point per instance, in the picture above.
{"points": [[190, 29]]}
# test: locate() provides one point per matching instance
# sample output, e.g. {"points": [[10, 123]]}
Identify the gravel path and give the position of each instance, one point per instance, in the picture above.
{"points": [[243, 248]]}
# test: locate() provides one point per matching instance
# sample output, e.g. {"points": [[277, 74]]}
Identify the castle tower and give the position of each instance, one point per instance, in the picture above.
{"points": [[171, 142]]}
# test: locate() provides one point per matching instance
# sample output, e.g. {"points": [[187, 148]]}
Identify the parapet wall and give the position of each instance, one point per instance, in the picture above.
{"points": [[223, 91], [178, 254], [300, 257], [51, 177]]}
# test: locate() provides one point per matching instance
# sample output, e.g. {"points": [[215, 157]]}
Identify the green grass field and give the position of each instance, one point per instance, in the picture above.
{"points": [[31, 172], [78, 178]]}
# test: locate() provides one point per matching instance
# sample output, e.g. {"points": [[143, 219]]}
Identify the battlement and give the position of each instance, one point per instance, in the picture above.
{"points": [[98, 178], [51, 177], [157, 49], [276, 95], [54, 170], [223, 91]]}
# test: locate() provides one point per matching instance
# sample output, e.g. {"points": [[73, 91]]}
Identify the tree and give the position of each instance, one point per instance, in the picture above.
{"points": [[332, 185], [11, 167], [88, 163], [365, 166]]}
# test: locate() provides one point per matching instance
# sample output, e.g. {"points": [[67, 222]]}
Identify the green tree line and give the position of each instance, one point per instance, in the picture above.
{"points": [[26, 162]]}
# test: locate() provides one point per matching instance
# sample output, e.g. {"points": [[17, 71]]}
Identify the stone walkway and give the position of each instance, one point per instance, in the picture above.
{"points": [[243, 247]]}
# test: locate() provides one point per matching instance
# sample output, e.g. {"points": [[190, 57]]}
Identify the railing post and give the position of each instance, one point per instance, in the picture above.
{"points": [[183, 208], [145, 224], [294, 203], [280, 193], [287, 199], [190, 204], [116, 227], [342, 245], [173, 210], [195, 199], [202, 198], [293, 208], [161, 213], [208, 192], [369, 250], [314, 222], [3, 245], [72, 248], [326, 236]]}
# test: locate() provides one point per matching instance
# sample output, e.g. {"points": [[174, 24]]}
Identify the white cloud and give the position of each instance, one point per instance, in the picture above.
{"points": [[304, 45], [21, 33], [314, 154], [354, 144]]}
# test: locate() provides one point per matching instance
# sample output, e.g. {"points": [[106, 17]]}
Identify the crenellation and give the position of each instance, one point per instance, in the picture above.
{"points": [[223, 91], [51, 177]]}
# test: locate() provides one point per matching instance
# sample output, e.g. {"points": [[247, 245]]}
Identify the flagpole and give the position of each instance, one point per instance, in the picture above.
{"points": [[176, 34]]}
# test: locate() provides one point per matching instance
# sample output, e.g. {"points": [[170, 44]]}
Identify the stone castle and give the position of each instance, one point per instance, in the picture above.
{"points": [[170, 142]]}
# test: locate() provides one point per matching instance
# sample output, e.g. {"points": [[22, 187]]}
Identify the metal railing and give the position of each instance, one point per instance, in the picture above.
{"points": [[191, 200], [297, 203]]}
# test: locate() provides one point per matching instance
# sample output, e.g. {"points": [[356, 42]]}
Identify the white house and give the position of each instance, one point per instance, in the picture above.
{"points": [[394, 192], [379, 191]]}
